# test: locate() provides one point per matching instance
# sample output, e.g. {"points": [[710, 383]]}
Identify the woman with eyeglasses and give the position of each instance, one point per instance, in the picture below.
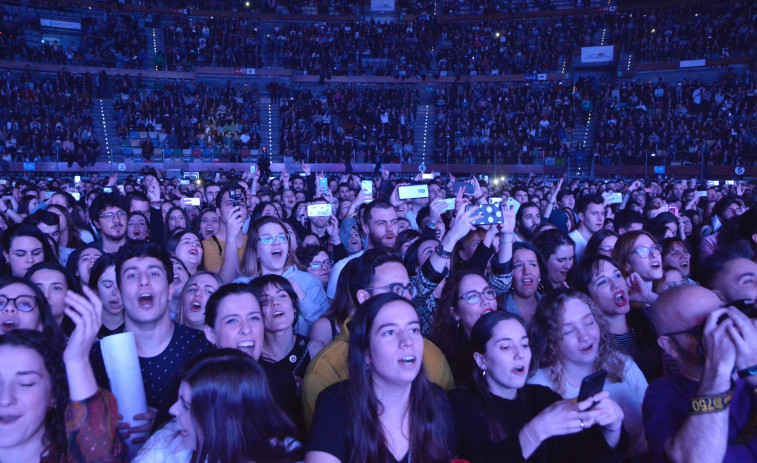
{"points": [[501, 418], [601, 243], [268, 252], [315, 260], [23, 306], [640, 260], [465, 298]]}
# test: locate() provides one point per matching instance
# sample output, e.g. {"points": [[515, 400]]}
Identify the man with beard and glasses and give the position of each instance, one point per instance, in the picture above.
{"points": [[380, 224], [703, 414]]}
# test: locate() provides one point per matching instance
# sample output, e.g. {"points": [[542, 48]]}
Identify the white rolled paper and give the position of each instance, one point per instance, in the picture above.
{"points": [[122, 366]]}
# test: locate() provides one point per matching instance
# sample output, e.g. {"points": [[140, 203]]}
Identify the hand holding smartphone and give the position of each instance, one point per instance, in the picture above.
{"points": [[592, 385]]}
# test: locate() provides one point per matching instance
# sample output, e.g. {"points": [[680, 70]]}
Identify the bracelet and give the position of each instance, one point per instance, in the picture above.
{"points": [[443, 253], [710, 404]]}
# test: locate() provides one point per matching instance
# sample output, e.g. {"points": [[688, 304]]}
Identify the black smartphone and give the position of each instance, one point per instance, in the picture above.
{"points": [[468, 188], [592, 385], [235, 195]]}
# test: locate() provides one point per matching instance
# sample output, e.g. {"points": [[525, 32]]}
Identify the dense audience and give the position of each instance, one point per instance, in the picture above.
{"points": [[47, 118], [347, 326], [689, 122], [367, 123], [224, 42], [184, 115], [502, 124]]}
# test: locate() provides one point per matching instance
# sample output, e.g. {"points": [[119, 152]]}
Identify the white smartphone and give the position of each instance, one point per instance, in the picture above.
{"points": [[512, 202], [367, 186], [495, 200], [191, 201], [252, 169], [107, 189], [413, 191], [77, 179], [613, 198], [449, 204], [319, 210]]}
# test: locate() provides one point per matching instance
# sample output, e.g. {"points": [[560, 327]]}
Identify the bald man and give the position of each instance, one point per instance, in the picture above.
{"points": [[700, 414]]}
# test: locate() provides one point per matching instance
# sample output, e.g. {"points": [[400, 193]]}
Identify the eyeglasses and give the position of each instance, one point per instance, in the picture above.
{"points": [[645, 251], [316, 265], [112, 215], [606, 250], [397, 288], [22, 303], [268, 239], [474, 297]]}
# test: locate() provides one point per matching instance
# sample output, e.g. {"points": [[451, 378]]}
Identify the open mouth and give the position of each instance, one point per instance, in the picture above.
{"points": [[519, 370], [115, 305], [195, 307], [193, 252], [587, 349], [8, 325], [655, 264], [278, 314], [209, 231], [408, 360], [246, 346], [145, 301], [528, 281], [620, 298], [276, 253], [136, 233], [486, 312]]}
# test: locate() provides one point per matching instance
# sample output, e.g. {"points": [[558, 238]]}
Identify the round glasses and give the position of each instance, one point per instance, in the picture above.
{"points": [[22, 303]]}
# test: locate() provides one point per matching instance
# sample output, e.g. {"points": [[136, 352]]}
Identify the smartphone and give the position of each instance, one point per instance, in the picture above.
{"points": [[614, 198], [121, 189], [252, 169], [319, 210], [713, 182], [235, 195], [495, 200], [489, 214], [76, 195], [427, 176], [730, 182], [592, 385], [47, 195], [413, 191], [107, 189], [191, 201], [468, 188], [674, 210], [513, 204], [184, 182], [449, 204], [323, 184], [367, 187], [3, 181], [77, 179], [701, 194]]}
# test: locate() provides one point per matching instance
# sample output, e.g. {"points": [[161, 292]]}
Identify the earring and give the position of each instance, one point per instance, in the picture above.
{"points": [[483, 372]]}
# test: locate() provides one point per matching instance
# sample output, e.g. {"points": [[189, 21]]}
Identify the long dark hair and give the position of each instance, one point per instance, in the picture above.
{"points": [[51, 350], [428, 427], [259, 284], [447, 333], [480, 335], [233, 407]]}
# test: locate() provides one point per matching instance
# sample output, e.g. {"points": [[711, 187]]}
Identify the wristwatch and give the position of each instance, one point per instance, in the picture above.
{"points": [[443, 253], [747, 372]]}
